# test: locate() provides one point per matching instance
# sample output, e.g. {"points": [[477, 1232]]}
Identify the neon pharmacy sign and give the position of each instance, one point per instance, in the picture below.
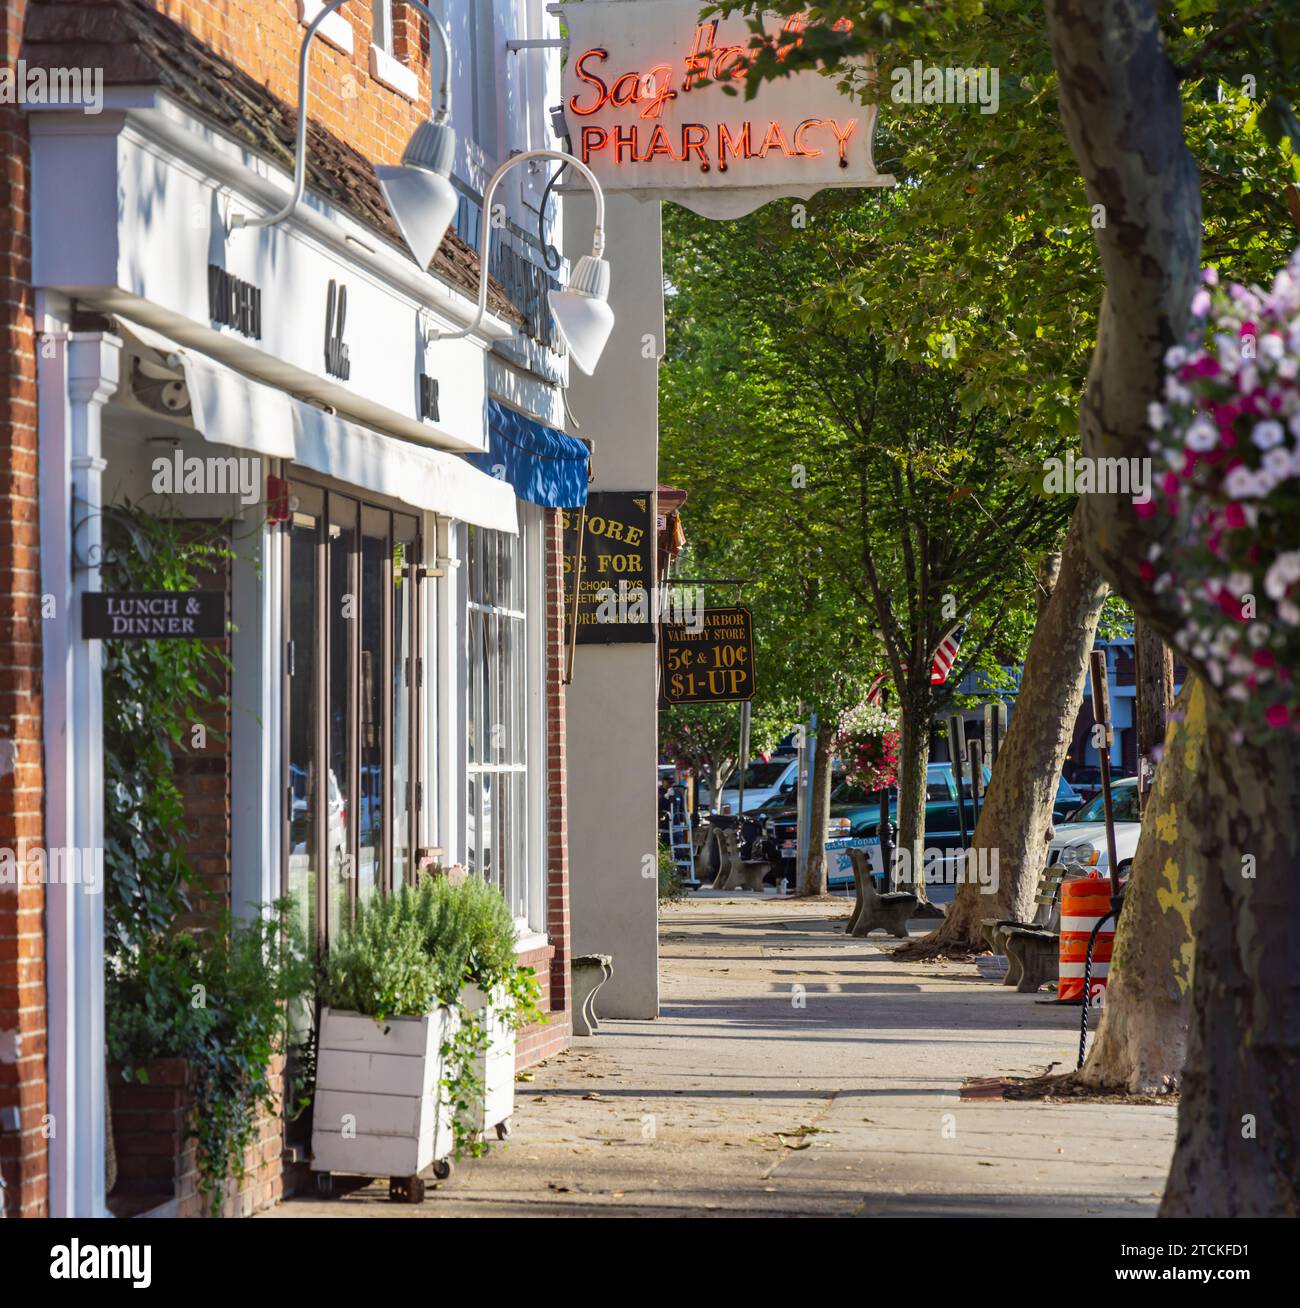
{"points": [[653, 116]]}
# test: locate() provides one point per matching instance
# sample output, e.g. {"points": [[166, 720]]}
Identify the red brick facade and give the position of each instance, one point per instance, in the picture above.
{"points": [[552, 963], [23, 1156]]}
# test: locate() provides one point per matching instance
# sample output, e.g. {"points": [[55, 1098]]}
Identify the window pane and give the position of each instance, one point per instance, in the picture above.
{"points": [[303, 689], [402, 677], [370, 811], [340, 808]]}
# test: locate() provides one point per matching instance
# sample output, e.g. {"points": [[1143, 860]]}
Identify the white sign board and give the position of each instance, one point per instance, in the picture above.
{"points": [[646, 103]]}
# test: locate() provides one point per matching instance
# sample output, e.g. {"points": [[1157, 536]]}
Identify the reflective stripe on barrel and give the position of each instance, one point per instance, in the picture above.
{"points": [[1084, 902]]}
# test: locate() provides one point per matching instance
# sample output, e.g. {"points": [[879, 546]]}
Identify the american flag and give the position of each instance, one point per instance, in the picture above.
{"points": [[946, 654], [876, 688]]}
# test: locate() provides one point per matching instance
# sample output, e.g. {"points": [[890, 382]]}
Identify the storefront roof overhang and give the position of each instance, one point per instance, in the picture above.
{"points": [[542, 465], [229, 408]]}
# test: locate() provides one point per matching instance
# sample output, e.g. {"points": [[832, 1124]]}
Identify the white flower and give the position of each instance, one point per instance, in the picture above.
{"points": [[1156, 416], [1289, 613], [1248, 379], [1257, 633], [1272, 347], [1267, 434], [1239, 484], [1176, 392], [1284, 571], [1288, 368], [1175, 357], [1279, 464], [1216, 672], [1202, 435], [1238, 692]]}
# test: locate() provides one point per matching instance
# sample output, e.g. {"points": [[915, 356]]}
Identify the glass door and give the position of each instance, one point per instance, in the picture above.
{"points": [[353, 689]]}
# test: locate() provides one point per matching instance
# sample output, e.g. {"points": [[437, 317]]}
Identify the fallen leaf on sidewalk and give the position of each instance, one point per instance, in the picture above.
{"points": [[528, 1076], [597, 1098], [794, 1144]]}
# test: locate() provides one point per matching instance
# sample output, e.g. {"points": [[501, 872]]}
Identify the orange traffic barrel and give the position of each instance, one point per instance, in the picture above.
{"points": [[1084, 902]]}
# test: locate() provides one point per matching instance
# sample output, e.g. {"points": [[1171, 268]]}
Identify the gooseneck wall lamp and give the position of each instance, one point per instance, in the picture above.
{"points": [[423, 201], [581, 308]]}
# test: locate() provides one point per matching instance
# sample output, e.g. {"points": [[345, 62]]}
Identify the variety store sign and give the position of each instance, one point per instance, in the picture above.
{"points": [[647, 106]]}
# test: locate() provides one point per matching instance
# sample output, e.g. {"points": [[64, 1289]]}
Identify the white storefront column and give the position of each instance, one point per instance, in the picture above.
{"points": [[78, 373]]}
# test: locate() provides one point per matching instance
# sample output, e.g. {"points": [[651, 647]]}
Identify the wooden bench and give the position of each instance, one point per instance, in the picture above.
{"points": [[874, 911], [734, 872], [1031, 947]]}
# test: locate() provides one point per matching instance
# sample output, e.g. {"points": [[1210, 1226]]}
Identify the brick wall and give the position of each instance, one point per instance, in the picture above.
{"points": [[541, 1041], [23, 1159], [264, 39], [156, 1160]]}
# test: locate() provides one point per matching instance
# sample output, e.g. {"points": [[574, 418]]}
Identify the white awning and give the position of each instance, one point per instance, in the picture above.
{"points": [[229, 408]]}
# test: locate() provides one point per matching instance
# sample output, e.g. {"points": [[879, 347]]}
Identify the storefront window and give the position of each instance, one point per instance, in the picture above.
{"points": [[497, 820], [352, 705]]}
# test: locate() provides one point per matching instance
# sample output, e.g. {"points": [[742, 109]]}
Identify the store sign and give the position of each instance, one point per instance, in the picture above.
{"points": [[710, 662], [235, 303], [647, 106], [160, 615], [338, 363], [615, 576]]}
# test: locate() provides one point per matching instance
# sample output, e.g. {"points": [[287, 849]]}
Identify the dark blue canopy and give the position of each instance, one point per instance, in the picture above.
{"points": [[544, 466]]}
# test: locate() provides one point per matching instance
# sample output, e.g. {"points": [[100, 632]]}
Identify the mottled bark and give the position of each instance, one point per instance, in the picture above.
{"points": [[816, 877], [1238, 1150], [1155, 694], [1017, 811], [1142, 1040]]}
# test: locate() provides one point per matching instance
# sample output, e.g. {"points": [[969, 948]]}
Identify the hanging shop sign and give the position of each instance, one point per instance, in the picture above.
{"points": [[615, 575], [708, 662], [654, 103], [153, 615]]}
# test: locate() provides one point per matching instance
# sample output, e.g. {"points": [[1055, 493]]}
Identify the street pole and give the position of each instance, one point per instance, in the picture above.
{"points": [[955, 735], [744, 762], [803, 822]]}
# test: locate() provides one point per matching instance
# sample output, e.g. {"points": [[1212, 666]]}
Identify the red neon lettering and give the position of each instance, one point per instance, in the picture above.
{"points": [[658, 144], [774, 140], [694, 138], [811, 151], [602, 95], [625, 91], [842, 137], [730, 56], [658, 89], [597, 135], [739, 145], [793, 26], [697, 62], [624, 141]]}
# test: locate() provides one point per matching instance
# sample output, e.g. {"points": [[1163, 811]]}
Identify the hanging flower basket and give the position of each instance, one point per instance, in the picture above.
{"points": [[867, 744], [1227, 440]]}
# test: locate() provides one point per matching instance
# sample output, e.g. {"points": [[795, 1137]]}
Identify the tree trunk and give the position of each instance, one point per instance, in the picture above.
{"points": [[816, 878], [1016, 815], [1155, 695], [1238, 1150], [914, 757], [1142, 1040]]}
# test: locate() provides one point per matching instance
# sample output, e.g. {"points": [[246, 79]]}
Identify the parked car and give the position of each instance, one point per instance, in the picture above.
{"points": [[762, 781], [1068, 801], [1079, 844], [1087, 780], [856, 814]]}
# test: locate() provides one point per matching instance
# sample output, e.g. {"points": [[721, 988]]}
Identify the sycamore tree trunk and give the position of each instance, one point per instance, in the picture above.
{"points": [[1016, 815], [1155, 695], [914, 758], [816, 876], [1142, 1039], [1238, 1150]]}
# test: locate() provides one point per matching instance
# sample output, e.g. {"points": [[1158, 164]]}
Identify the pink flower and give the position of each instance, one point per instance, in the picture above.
{"points": [[1277, 715], [1145, 509], [1262, 658], [1235, 514]]}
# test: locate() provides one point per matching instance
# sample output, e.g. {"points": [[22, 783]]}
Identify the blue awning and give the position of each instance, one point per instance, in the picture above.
{"points": [[544, 466]]}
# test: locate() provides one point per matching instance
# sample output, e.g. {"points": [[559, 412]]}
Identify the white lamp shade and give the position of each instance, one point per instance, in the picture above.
{"points": [[582, 312], [422, 203]]}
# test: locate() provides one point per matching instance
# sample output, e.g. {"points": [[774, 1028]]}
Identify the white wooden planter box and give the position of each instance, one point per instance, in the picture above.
{"points": [[377, 1109], [496, 1065]]}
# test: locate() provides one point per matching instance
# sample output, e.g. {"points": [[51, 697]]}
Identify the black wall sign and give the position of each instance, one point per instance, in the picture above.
{"points": [[711, 665], [235, 303], [337, 362], [153, 615], [429, 398], [616, 589]]}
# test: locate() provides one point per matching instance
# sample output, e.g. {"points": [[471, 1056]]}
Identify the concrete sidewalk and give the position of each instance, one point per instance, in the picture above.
{"points": [[795, 1071]]}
